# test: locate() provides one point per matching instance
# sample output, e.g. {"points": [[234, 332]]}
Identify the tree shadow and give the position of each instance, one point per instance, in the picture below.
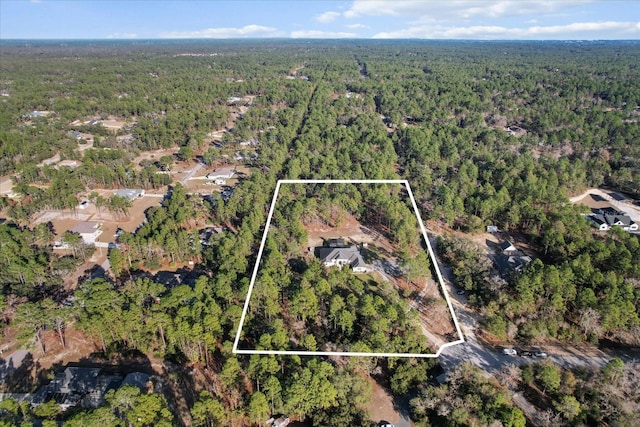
{"points": [[15, 372], [298, 265]]}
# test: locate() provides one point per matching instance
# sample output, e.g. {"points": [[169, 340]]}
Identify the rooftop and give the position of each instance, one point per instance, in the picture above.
{"points": [[86, 227], [130, 193]]}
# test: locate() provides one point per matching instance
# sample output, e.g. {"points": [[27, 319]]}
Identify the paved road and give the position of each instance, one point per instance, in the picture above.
{"points": [[492, 360]]}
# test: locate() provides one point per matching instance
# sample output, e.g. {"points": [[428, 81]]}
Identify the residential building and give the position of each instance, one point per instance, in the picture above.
{"points": [[130, 193], [507, 248], [605, 221], [278, 421], [510, 259], [338, 254], [221, 174], [86, 387], [77, 386], [88, 230], [509, 263]]}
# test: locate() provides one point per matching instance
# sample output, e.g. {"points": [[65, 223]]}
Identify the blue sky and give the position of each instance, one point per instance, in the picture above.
{"points": [[452, 19]]}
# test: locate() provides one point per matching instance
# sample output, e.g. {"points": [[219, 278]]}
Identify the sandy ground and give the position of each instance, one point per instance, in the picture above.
{"points": [[155, 155], [6, 185], [65, 220], [113, 123], [381, 405], [350, 229]]}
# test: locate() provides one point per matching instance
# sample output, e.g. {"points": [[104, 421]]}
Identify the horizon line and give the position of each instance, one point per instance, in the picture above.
{"points": [[309, 38]]}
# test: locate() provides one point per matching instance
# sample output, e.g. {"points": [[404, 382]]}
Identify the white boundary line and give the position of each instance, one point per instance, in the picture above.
{"points": [[404, 182]]}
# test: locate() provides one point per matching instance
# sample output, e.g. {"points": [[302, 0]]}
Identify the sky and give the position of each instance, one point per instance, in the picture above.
{"points": [[405, 19]]}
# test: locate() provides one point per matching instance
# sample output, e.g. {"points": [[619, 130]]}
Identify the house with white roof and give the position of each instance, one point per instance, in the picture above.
{"points": [[130, 193], [222, 173]]}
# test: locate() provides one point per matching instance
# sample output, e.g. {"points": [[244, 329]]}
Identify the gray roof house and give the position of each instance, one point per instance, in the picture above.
{"points": [[75, 386], [623, 221], [88, 230], [338, 254], [510, 259], [510, 263], [507, 247], [599, 222], [604, 222]]}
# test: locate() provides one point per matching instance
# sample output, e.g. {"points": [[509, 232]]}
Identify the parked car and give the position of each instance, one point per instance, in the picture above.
{"points": [[526, 354], [461, 292], [509, 351], [540, 354]]}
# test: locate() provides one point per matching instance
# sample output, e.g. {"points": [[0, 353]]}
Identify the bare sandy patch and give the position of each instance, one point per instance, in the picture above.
{"points": [[381, 406], [349, 229]]}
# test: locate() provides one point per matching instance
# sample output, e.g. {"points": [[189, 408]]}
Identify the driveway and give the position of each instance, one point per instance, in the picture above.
{"points": [[191, 173], [491, 360]]}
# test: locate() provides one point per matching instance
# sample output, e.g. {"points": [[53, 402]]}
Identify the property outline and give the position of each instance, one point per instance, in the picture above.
{"points": [[404, 182]]}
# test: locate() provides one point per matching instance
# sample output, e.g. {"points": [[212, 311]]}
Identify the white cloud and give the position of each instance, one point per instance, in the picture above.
{"points": [[327, 17], [456, 9], [122, 36], [314, 34], [618, 27], [356, 26], [225, 33], [609, 29]]}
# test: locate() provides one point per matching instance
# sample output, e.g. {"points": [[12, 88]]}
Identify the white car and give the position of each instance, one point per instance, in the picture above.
{"points": [[509, 351], [540, 354]]}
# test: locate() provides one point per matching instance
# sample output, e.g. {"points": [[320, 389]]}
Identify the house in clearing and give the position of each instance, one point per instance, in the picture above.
{"points": [[606, 221], [510, 259], [338, 254], [219, 176], [599, 222], [508, 248], [623, 221], [88, 230], [130, 193]]}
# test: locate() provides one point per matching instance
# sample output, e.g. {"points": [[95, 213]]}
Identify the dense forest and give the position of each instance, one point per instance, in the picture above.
{"points": [[336, 309], [486, 133]]}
